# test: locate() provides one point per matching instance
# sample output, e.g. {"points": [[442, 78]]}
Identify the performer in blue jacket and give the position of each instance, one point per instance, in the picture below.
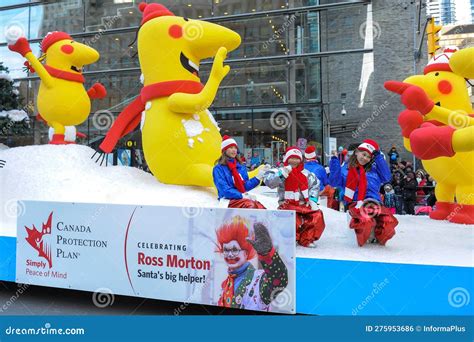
{"points": [[231, 178], [377, 175], [366, 172], [313, 166]]}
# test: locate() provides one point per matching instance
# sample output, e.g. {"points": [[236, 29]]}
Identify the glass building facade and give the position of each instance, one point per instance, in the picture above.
{"points": [[272, 96], [448, 12]]}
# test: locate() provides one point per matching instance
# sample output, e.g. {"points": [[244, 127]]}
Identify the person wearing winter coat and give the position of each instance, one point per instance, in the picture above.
{"points": [[231, 178], [409, 193], [298, 189], [312, 165], [378, 173], [397, 184], [421, 180], [389, 199], [245, 286], [393, 156], [367, 171]]}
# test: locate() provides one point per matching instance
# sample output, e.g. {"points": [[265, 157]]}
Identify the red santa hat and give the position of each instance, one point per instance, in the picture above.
{"points": [[151, 11], [53, 37], [292, 152], [310, 152], [441, 62], [227, 142], [369, 146]]}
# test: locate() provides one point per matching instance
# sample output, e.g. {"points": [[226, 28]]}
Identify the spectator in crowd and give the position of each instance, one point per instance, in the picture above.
{"points": [[243, 160], [389, 199], [255, 161], [313, 166], [393, 157], [409, 193], [397, 184], [421, 183], [429, 191], [343, 155]]}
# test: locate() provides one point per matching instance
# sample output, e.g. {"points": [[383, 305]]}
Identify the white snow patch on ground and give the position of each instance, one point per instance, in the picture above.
{"points": [[67, 174]]}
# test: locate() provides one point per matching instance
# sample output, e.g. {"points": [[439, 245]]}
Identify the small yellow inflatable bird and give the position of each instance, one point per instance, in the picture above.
{"points": [[62, 99], [181, 140]]}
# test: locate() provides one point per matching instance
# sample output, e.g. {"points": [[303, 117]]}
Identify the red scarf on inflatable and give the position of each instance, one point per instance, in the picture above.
{"points": [[356, 180], [238, 181], [130, 117], [295, 183], [64, 75]]}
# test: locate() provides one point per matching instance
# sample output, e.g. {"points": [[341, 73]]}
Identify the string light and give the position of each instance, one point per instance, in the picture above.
{"points": [[279, 139]]}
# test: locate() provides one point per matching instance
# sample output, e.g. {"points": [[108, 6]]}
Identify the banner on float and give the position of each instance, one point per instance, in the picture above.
{"points": [[183, 254]]}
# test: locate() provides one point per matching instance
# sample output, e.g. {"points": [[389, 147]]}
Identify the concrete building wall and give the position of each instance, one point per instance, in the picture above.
{"points": [[375, 114]]}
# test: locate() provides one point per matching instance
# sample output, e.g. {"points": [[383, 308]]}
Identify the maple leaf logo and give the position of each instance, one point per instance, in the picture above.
{"points": [[39, 240]]}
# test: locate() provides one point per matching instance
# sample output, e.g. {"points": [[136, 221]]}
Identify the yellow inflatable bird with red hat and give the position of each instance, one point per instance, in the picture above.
{"points": [[62, 99], [438, 127], [181, 139]]}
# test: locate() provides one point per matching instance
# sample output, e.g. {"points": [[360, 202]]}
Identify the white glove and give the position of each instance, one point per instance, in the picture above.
{"points": [[359, 204], [285, 171], [262, 171], [246, 195]]}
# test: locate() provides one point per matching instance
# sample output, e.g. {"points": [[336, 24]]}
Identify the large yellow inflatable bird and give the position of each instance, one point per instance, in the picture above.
{"points": [[181, 140], [62, 99], [438, 127]]}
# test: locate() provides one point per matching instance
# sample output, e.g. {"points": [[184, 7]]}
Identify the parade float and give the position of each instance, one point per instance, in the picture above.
{"points": [[69, 223]]}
